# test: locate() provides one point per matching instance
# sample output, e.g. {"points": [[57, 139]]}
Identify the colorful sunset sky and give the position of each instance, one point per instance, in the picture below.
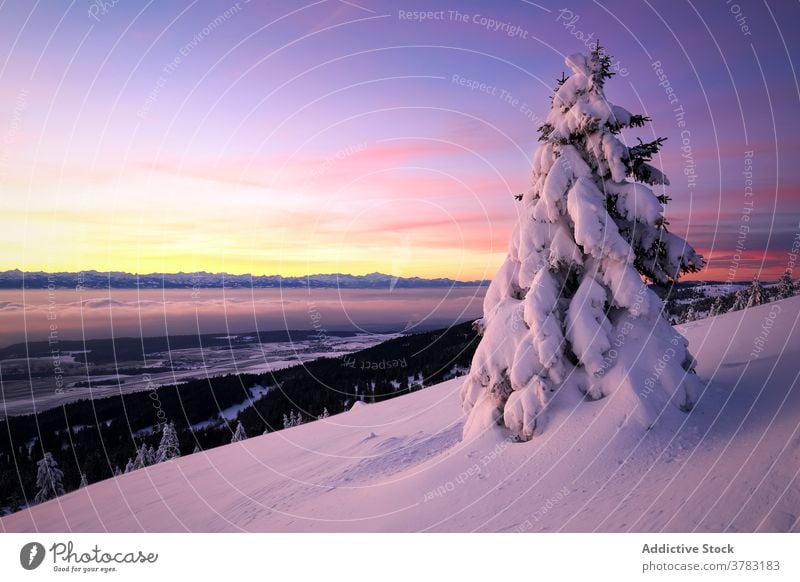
{"points": [[294, 137]]}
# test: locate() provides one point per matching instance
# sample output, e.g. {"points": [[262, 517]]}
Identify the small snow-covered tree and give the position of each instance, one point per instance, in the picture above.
{"points": [[688, 315], [292, 420], [239, 434], [589, 230], [117, 471], [49, 479], [739, 300], [325, 413], [142, 459], [786, 285], [717, 307], [131, 466], [756, 295], [169, 447]]}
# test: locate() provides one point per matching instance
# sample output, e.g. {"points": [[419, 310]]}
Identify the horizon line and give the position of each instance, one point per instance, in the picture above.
{"points": [[684, 279], [164, 273]]}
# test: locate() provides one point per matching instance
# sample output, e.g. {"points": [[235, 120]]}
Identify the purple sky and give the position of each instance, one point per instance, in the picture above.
{"points": [[292, 137]]}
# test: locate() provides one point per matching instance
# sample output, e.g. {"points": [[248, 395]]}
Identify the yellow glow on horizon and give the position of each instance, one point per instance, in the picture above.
{"points": [[164, 223], [433, 265]]}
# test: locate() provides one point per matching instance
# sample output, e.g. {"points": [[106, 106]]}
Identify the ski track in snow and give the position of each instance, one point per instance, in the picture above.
{"points": [[733, 464]]}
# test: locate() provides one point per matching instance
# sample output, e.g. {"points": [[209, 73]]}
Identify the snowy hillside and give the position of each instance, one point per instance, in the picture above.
{"points": [[730, 465]]}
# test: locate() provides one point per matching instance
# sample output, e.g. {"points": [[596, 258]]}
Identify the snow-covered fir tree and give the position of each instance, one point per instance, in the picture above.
{"points": [[150, 456], [292, 420], [169, 447], [118, 471], [589, 229], [239, 434], [325, 413], [740, 300], [717, 307], [49, 479], [142, 459], [688, 315], [130, 466], [786, 285], [756, 294]]}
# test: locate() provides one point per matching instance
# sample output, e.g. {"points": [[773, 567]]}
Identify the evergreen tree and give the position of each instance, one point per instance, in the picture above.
{"points": [[49, 479], [150, 456], [292, 420], [117, 471], [325, 413], [131, 466], [717, 306], [757, 295], [573, 274], [688, 315], [786, 286], [739, 300], [142, 458], [239, 435], [168, 448]]}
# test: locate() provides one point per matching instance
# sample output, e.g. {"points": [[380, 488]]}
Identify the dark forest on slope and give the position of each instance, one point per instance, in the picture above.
{"points": [[97, 437]]}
